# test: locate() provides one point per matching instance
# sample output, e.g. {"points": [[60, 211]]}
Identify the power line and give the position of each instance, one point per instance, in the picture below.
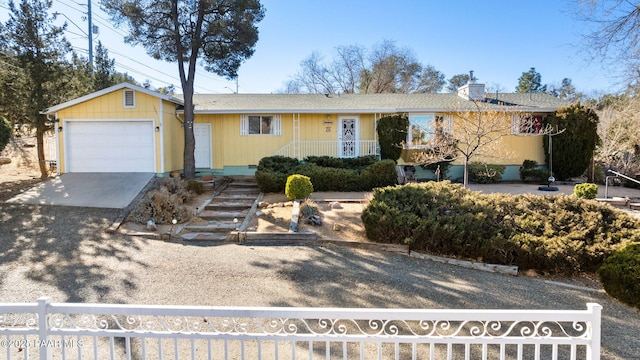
{"points": [[127, 68], [108, 26]]}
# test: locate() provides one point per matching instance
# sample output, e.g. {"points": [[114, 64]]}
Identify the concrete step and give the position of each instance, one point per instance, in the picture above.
{"points": [[215, 226], [226, 205], [234, 197], [219, 215], [240, 191], [196, 236], [233, 202]]}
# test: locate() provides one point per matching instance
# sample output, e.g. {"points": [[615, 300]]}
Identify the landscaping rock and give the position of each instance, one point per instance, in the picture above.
{"points": [[314, 220], [5, 160], [151, 226], [335, 205]]}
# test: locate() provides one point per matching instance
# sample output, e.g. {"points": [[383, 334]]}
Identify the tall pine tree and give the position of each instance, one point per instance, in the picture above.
{"points": [[530, 81], [39, 49]]}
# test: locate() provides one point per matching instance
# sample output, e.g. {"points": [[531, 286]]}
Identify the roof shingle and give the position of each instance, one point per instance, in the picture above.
{"points": [[369, 103]]}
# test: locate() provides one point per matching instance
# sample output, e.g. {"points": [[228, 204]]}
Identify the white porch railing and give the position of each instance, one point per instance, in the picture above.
{"points": [[301, 149], [46, 330]]}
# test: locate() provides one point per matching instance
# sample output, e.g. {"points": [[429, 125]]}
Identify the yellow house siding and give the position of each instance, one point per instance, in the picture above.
{"points": [[111, 107], [230, 148], [318, 127], [523, 147], [173, 138], [368, 126]]}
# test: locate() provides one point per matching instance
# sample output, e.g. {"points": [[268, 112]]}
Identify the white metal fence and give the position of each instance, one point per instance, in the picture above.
{"points": [[46, 330], [302, 149]]}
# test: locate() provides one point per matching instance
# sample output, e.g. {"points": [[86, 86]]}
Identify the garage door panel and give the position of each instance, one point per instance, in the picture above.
{"points": [[110, 146]]}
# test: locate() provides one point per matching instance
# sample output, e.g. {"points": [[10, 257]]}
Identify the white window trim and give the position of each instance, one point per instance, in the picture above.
{"points": [[276, 125], [124, 98], [516, 121], [448, 127]]}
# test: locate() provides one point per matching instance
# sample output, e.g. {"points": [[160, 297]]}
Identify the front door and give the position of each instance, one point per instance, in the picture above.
{"points": [[202, 154], [348, 137]]}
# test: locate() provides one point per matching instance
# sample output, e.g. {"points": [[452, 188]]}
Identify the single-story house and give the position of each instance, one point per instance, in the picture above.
{"points": [[127, 128]]}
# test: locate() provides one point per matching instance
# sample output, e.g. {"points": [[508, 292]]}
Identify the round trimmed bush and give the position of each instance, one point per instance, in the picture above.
{"points": [[620, 275], [585, 190], [298, 187]]}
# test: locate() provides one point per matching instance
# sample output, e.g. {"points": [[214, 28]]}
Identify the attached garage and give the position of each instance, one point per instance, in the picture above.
{"points": [[109, 146]]}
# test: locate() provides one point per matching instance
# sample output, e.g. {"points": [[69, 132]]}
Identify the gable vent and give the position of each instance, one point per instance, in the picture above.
{"points": [[129, 98]]}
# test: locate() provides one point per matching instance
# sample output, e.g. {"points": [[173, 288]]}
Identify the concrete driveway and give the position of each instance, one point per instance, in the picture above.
{"points": [[100, 190]]}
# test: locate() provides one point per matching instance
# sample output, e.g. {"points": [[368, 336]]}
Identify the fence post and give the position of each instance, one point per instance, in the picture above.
{"points": [[43, 328], [593, 351]]}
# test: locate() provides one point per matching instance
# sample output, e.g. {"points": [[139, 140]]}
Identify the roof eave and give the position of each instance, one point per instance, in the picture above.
{"points": [[359, 111], [105, 91], [294, 111]]}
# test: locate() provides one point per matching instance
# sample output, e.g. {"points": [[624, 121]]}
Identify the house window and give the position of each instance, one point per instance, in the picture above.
{"points": [[425, 128], [261, 125], [129, 99], [526, 124]]}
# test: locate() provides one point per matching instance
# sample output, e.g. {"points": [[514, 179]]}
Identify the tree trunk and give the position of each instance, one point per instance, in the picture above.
{"points": [[465, 176], [189, 138], [44, 172]]}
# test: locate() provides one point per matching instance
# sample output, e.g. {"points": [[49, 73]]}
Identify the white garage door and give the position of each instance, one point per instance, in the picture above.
{"points": [[109, 146]]}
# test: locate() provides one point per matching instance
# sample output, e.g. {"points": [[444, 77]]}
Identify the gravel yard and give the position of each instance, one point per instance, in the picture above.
{"points": [[63, 252]]}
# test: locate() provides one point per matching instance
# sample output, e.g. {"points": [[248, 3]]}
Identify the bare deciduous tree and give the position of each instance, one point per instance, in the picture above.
{"points": [[616, 36], [476, 134], [387, 68], [619, 131]]}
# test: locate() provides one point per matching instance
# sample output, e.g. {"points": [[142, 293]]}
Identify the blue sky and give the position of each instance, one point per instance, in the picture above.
{"points": [[498, 39]]}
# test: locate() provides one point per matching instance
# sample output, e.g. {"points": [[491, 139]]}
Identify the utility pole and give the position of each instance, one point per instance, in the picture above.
{"points": [[90, 34]]}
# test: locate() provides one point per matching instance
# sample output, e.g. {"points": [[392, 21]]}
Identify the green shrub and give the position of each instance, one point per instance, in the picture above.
{"points": [[326, 173], [308, 208], [392, 132], [271, 182], [572, 149], [325, 161], [279, 164], [530, 172], [554, 234], [298, 187], [481, 173], [585, 190], [195, 186], [357, 163], [379, 174], [620, 275]]}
